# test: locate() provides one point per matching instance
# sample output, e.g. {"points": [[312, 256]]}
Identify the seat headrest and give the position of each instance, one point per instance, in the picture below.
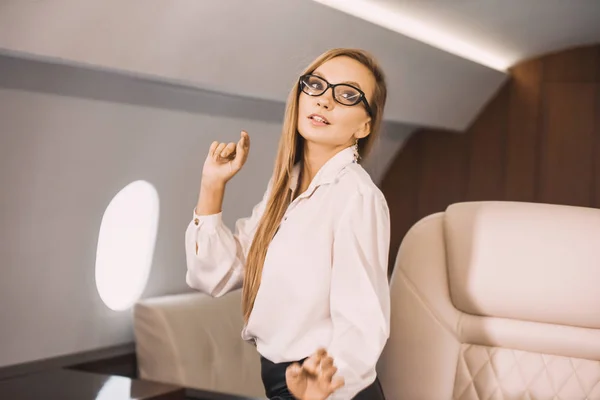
{"points": [[529, 261]]}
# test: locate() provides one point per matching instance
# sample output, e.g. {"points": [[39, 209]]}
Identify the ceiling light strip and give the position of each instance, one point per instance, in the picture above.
{"points": [[395, 20]]}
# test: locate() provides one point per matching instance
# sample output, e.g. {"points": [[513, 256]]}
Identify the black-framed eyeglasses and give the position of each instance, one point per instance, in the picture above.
{"points": [[343, 93]]}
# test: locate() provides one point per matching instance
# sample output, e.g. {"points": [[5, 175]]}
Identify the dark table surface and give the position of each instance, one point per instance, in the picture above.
{"points": [[66, 384], [78, 385], [194, 394]]}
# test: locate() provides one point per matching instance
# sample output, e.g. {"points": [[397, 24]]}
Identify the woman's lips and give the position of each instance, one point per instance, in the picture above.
{"points": [[318, 120]]}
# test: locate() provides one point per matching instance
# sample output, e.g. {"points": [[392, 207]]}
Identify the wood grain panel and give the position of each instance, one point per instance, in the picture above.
{"points": [[597, 132], [400, 187], [487, 151], [522, 132], [442, 172], [537, 141], [576, 65], [567, 152], [597, 148]]}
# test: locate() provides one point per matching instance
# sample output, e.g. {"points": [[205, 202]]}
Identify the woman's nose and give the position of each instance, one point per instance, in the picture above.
{"points": [[325, 100], [323, 104]]}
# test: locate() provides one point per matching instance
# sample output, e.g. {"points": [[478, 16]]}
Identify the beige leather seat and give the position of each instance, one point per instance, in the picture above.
{"points": [[496, 300], [193, 340]]}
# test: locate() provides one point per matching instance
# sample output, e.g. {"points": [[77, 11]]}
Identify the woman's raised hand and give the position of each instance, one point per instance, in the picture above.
{"points": [[224, 160]]}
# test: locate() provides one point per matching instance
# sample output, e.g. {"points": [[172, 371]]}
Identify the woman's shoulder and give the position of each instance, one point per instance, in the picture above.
{"points": [[355, 180]]}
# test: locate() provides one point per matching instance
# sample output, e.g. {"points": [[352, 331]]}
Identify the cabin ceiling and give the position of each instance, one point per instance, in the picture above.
{"points": [[443, 59]]}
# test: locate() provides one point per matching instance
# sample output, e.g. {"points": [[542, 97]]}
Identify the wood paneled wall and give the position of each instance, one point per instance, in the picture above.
{"points": [[538, 140]]}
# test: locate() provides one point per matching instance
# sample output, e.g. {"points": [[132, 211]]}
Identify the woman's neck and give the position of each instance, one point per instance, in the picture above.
{"points": [[314, 157]]}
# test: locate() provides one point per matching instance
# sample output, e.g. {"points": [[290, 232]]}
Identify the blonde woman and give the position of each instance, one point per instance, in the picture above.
{"points": [[312, 258]]}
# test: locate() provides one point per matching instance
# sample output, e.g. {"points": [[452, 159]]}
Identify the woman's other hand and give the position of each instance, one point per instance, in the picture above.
{"points": [[313, 380]]}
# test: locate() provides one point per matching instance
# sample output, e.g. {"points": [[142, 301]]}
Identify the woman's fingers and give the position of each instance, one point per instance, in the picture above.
{"points": [[228, 151], [244, 141], [242, 149], [311, 364], [218, 151], [237, 153], [326, 377], [294, 371], [213, 147], [314, 364], [222, 151], [318, 369], [328, 370], [326, 362]]}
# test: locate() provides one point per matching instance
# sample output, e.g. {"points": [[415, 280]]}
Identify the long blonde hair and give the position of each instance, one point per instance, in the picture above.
{"points": [[290, 150]]}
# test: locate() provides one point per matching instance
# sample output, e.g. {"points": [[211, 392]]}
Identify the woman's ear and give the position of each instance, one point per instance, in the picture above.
{"points": [[364, 130]]}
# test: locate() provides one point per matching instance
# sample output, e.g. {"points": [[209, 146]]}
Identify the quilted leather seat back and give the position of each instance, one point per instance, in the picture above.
{"points": [[496, 300]]}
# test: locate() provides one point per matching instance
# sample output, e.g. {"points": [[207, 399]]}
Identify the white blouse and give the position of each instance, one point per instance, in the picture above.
{"points": [[324, 281]]}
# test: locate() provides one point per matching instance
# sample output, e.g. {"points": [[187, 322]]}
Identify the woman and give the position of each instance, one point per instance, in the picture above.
{"points": [[312, 257]]}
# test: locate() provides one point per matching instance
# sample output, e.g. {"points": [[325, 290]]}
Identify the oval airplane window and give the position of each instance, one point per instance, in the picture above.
{"points": [[126, 245]]}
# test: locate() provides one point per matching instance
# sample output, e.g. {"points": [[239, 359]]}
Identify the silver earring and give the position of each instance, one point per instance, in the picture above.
{"points": [[356, 155]]}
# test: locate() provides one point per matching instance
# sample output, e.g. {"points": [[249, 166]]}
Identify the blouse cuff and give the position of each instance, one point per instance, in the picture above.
{"points": [[210, 221]]}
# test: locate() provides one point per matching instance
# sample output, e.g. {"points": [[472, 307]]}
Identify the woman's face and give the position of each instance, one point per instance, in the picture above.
{"points": [[342, 124]]}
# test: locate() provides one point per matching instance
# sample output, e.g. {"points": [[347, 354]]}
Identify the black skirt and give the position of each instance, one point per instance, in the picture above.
{"points": [[273, 377]]}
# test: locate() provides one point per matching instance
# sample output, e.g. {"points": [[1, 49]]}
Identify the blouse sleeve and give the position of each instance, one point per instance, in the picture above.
{"points": [[359, 294], [215, 255]]}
